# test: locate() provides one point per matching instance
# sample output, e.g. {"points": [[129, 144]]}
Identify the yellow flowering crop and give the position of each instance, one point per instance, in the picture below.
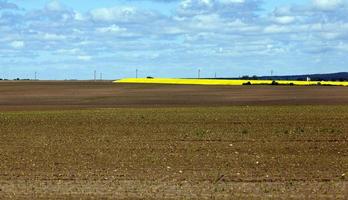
{"points": [[224, 82]]}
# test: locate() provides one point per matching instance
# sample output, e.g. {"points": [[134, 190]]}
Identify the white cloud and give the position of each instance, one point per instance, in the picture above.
{"points": [[17, 44], [342, 46], [199, 3], [84, 58], [284, 19], [52, 36], [54, 5], [245, 9], [276, 29], [173, 30], [111, 29], [73, 51], [327, 4], [283, 10], [330, 35], [79, 17], [231, 1], [197, 30], [113, 14], [209, 21]]}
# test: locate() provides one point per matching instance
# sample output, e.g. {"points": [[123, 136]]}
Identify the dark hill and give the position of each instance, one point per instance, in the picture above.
{"points": [[341, 76]]}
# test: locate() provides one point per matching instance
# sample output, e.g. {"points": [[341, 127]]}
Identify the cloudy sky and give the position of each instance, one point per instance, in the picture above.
{"points": [[69, 39]]}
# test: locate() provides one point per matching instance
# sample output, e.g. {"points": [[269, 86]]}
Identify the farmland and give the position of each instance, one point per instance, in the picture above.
{"points": [[104, 140], [228, 82], [84, 95]]}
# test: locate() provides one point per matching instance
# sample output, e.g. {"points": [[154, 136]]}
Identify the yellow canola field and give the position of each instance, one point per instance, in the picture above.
{"points": [[224, 82]]}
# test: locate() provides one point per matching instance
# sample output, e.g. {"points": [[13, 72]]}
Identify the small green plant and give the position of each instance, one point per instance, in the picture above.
{"points": [[201, 133]]}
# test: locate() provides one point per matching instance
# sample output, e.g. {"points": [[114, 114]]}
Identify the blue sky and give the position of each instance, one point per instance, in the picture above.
{"points": [[171, 38]]}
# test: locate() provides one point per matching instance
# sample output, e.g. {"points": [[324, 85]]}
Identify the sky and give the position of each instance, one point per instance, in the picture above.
{"points": [[70, 39]]}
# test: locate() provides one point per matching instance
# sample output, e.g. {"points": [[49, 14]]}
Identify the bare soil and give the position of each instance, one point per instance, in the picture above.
{"points": [[72, 95], [84, 140]]}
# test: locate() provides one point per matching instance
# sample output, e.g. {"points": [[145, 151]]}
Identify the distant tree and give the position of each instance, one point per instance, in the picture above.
{"points": [[275, 83], [255, 77]]}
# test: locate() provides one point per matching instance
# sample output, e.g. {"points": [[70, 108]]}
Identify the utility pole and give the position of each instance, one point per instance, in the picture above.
{"points": [[35, 76], [215, 75], [199, 73], [136, 73], [95, 75], [101, 76]]}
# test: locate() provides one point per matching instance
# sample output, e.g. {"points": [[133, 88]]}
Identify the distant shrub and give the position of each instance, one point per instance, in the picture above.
{"points": [[327, 85], [247, 83], [274, 83]]}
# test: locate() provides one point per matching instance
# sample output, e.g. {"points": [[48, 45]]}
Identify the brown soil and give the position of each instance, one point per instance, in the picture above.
{"points": [[172, 142], [51, 95]]}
